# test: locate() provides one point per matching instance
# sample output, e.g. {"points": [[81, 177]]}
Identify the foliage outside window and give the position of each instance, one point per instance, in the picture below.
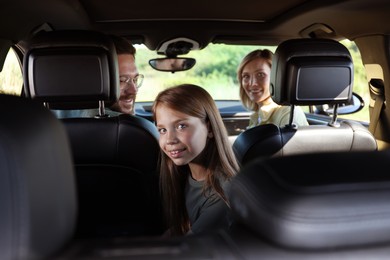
{"points": [[11, 80]]}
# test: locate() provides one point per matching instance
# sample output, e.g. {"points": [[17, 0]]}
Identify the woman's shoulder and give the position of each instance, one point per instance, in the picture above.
{"points": [[282, 115], [282, 109]]}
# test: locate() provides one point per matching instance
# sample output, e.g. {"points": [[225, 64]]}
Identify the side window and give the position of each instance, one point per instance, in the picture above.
{"points": [[11, 80]]}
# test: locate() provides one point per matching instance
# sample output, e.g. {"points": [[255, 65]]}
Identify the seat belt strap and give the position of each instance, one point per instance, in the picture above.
{"points": [[375, 115], [377, 93]]}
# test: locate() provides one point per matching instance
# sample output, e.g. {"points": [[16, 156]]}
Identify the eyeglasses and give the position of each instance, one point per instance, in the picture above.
{"points": [[137, 80]]}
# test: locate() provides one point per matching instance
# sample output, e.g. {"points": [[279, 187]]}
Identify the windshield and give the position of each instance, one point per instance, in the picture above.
{"points": [[215, 70]]}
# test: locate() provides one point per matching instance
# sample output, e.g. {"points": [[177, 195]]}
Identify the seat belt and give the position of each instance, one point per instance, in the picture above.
{"points": [[377, 94]]}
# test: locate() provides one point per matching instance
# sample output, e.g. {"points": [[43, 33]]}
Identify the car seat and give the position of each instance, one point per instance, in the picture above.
{"points": [[307, 72], [37, 183], [336, 208], [115, 156]]}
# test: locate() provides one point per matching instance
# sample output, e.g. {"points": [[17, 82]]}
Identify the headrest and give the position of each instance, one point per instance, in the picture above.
{"points": [[310, 72], [289, 204], [38, 206], [71, 69]]}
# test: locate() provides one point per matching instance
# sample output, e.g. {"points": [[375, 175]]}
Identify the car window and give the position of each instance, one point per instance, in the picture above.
{"points": [[11, 80]]}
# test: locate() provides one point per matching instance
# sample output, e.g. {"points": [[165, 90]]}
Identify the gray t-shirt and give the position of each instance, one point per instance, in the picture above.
{"points": [[206, 211]]}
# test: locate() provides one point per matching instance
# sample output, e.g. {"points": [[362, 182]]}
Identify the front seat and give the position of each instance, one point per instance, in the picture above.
{"points": [[115, 156], [307, 72], [38, 206]]}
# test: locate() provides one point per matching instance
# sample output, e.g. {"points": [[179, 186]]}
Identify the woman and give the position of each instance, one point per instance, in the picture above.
{"points": [[254, 76], [197, 161]]}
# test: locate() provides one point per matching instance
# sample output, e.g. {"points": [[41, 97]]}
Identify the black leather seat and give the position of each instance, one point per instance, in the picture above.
{"points": [[337, 210], [115, 156], [307, 72], [38, 206]]}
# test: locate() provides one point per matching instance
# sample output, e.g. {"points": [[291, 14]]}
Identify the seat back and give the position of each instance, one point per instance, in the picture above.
{"points": [[116, 165], [322, 213], [115, 156], [37, 183], [307, 72]]}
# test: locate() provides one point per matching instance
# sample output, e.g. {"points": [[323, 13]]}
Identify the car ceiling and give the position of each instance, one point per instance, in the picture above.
{"points": [[218, 21]]}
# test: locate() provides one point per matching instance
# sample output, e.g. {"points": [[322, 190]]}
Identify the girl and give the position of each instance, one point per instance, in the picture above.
{"points": [[197, 161]]}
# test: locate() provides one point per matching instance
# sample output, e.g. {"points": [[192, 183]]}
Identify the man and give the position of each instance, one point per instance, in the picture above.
{"points": [[130, 79]]}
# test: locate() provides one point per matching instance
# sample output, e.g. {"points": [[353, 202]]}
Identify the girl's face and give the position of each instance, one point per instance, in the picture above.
{"points": [[255, 80], [182, 137]]}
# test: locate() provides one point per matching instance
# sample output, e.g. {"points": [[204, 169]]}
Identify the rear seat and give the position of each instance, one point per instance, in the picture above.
{"points": [[115, 157], [338, 209], [37, 188]]}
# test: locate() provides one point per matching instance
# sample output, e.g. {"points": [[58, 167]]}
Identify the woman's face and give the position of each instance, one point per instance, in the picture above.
{"points": [[182, 137], [255, 79]]}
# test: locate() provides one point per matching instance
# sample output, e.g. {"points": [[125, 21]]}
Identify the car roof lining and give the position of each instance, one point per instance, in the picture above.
{"points": [[245, 10], [248, 22]]}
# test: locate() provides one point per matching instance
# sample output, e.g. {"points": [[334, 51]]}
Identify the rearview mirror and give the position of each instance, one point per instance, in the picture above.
{"points": [[172, 64]]}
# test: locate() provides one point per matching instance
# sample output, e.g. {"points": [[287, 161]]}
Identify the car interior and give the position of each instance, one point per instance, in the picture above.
{"points": [[88, 187]]}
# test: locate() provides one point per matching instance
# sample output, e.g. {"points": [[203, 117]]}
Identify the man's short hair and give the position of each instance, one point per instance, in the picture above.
{"points": [[122, 45]]}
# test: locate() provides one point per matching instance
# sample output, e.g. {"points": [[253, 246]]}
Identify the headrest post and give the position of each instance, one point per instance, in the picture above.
{"points": [[292, 107], [334, 122], [290, 122], [102, 112]]}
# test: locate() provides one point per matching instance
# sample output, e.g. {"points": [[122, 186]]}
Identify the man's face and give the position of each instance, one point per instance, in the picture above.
{"points": [[128, 90]]}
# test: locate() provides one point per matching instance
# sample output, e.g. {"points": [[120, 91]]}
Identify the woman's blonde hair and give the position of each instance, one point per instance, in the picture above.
{"points": [[218, 156], [256, 54]]}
